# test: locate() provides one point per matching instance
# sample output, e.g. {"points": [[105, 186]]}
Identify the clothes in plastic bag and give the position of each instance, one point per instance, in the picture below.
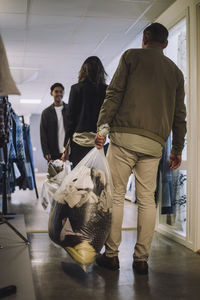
{"points": [[80, 216], [57, 171]]}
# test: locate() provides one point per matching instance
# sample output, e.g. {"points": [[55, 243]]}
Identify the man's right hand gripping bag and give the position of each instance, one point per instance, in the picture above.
{"points": [[80, 216]]}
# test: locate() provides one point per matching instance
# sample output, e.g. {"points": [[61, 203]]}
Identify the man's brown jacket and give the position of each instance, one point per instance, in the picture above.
{"points": [[146, 97]]}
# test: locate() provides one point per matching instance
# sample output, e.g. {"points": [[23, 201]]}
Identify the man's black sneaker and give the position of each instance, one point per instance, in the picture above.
{"points": [[141, 267]]}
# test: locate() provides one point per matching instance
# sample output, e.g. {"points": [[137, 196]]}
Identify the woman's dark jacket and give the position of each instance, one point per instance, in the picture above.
{"points": [[85, 101], [49, 130]]}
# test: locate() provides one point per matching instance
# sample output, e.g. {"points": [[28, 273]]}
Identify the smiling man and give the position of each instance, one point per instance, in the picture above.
{"points": [[53, 125]]}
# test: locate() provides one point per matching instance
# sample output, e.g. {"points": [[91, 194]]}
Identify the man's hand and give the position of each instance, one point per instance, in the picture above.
{"points": [[99, 141], [175, 161], [64, 156], [47, 157]]}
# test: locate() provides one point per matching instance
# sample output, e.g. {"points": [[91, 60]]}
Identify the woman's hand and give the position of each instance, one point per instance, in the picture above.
{"points": [[64, 156], [48, 157]]}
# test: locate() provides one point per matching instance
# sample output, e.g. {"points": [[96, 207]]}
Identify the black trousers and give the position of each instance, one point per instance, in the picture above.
{"points": [[77, 153], [56, 156]]}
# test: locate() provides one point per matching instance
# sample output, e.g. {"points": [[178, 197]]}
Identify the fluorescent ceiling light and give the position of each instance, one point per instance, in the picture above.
{"points": [[30, 101]]}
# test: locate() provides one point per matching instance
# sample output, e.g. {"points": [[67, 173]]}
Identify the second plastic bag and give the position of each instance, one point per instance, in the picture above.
{"points": [[57, 171], [80, 216]]}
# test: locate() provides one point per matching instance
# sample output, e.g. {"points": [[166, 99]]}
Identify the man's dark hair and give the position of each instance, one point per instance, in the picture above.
{"points": [[156, 32], [57, 84]]}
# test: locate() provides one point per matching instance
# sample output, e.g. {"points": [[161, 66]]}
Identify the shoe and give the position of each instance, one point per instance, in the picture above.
{"points": [[111, 263], [141, 267]]}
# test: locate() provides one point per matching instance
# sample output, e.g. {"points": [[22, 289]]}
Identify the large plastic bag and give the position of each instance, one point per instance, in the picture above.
{"points": [[57, 171], [80, 216]]}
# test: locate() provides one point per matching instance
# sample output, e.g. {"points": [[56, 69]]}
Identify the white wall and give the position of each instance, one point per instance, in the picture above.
{"points": [[40, 164], [188, 9], [136, 43]]}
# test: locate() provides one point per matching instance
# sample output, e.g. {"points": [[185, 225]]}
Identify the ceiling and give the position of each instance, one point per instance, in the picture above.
{"points": [[47, 41]]}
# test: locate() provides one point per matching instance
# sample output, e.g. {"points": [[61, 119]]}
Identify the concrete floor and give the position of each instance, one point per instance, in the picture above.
{"points": [[15, 264], [174, 270], [174, 273]]}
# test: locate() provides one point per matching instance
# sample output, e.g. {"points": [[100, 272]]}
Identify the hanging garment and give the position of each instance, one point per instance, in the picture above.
{"points": [[20, 152], [165, 185], [10, 179], [18, 142], [4, 120], [29, 156], [12, 152], [18, 138], [2, 161], [19, 155], [2, 123], [180, 199]]}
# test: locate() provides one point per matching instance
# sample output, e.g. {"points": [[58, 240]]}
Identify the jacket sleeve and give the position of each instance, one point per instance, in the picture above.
{"points": [[114, 94], [179, 122], [72, 114], [43, 134]]}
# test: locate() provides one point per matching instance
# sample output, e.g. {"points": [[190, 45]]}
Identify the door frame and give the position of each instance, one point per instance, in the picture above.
{"points": [[176, 12]]}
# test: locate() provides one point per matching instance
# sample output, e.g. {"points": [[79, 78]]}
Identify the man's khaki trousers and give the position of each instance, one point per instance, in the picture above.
{"points": [[122, 162]]}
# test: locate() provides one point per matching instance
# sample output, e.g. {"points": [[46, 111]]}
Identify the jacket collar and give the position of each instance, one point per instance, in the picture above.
{"points": [[155, 48], [52, 106]]}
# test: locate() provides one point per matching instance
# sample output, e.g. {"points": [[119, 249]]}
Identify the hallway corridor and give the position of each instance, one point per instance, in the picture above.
{"points": [[174, 273], [174, 270]]}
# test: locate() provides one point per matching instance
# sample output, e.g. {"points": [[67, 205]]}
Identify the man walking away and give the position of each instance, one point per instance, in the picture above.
{"points": [[143, 103]]}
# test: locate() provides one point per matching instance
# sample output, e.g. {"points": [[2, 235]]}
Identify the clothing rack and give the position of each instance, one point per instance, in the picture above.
{"points": [[5, 172], [4, 166], [4, 214]]}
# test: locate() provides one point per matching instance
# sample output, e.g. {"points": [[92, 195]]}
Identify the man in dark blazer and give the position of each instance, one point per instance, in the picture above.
{"points": [[53, 125]]}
